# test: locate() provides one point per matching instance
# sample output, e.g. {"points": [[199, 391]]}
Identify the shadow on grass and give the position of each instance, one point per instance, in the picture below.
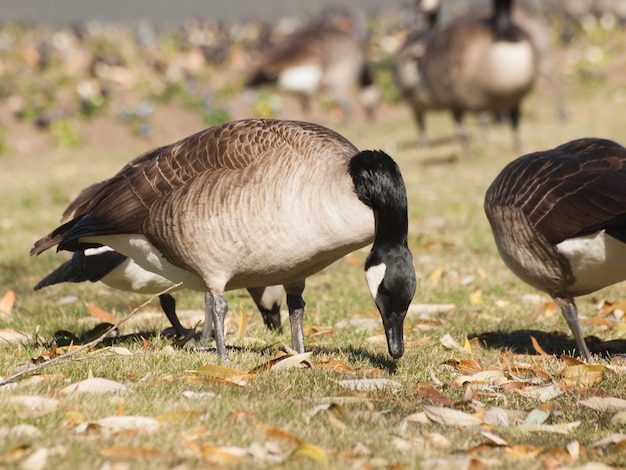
{"points": [[555, 343], [64, 338]]}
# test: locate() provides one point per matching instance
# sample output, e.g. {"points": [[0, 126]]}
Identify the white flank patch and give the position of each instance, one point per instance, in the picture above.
{"points": [[596, 260], [374, 277], [129, 276], [142, 252], [97, 251], [302, 78], [511, 66]]}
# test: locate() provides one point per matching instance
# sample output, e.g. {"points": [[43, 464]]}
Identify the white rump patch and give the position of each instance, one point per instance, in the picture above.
{"points": [[374, 277], [142, 252], [301, 79], [597, 261]]}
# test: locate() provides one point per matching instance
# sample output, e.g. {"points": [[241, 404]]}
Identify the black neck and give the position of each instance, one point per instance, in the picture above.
{"points": [[379, 184], [502, 17], [432, 18]]}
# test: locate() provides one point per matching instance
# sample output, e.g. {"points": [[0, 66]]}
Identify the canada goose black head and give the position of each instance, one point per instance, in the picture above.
{"points": [[559, 221], [389, 266]]}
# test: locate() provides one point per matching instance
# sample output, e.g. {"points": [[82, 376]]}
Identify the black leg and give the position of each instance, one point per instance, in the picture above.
{"points": [[514, 114], [168, 304]]}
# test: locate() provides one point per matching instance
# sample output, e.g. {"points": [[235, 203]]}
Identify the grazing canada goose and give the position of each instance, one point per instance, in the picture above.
{"points": [[559, 221], [117, 271], [477, 64], [318, 59], [253, 203]]}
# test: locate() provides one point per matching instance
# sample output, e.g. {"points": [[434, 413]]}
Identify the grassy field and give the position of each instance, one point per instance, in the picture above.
{"points": [[445, 404]]}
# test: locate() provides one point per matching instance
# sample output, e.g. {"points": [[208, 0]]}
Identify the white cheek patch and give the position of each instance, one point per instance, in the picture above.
{"points": [[374, 277]]}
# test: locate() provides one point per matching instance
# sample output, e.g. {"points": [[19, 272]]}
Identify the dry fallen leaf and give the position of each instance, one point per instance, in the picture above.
{"points": [[225, 374], [563, 428], [465, 366], [131, 453], [277, 433], [243, 323], [609, 440], [451, 417], [476, 297], [101, 315], [33, 402], [537, 347], [610, 404], [95, 385], [311, 451], [584, 375], [7, 302], [447, 341], [543, 394], [435, 277], [130, 423], [369, 385], [289, 362], [13, 336], [428, 390]]}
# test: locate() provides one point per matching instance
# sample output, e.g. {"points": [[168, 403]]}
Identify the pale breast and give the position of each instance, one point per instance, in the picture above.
{"points": [[510, 67]]}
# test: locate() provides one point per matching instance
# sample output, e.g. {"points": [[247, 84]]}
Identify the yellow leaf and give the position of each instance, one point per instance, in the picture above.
{"points": [[435, 276], [311, 451], [277, 433], [482, 273], [7, 302], [219, 372], [243, 323], [100, 314], [130, 453], [476, 297], [584, 375]]}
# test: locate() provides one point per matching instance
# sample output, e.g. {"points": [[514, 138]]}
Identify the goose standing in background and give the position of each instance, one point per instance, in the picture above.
{"points": [[559, 221], [253, 203], [117, 271], [315, 60], [407, 73], [478, 64]]}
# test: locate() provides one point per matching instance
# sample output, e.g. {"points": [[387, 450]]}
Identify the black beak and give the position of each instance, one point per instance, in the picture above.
{"points": [[395, 334]]}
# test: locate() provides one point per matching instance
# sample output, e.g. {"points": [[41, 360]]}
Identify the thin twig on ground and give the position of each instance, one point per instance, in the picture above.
{"points": [[82, 347]]}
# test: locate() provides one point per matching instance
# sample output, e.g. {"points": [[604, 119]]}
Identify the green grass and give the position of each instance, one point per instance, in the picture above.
{"points": [[447, 229]]}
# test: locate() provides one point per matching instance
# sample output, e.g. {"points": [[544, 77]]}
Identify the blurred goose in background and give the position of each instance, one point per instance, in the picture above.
{"points": [[559, 221], [407, 66], [315, 60], [475, 64], [117, 271], [197, 212]]}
